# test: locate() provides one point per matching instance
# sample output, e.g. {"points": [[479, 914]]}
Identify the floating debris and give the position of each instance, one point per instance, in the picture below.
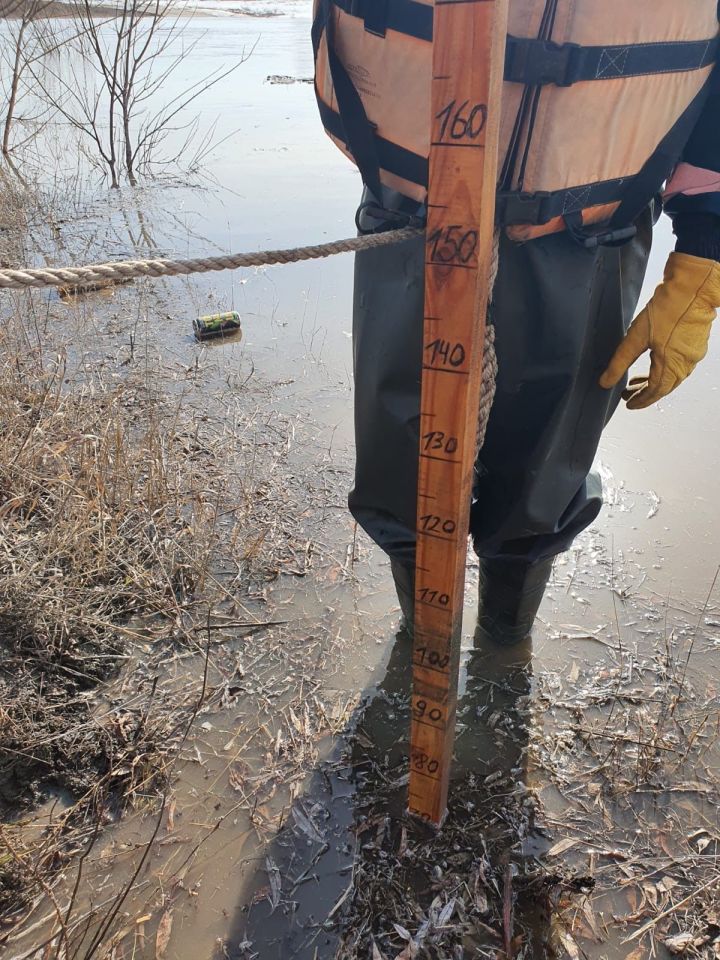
{"points": [[217, 325], [284, 78], [92, 286]]}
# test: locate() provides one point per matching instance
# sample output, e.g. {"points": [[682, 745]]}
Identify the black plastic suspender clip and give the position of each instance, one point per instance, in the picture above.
{"points": [[387, 219], [540, 62], [590, 239], [609, 238]]}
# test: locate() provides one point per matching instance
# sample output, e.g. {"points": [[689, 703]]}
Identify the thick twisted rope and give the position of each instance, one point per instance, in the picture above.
{"points": [[489, 380], [490, 364], [123, 270], [130, 269]]}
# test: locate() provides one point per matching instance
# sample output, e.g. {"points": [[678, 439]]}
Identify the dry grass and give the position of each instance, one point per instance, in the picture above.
{"points": [[13, 208], [103, 526]]}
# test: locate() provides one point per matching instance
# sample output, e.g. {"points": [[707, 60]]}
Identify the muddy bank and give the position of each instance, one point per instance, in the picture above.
{"points": [[49, 10]]}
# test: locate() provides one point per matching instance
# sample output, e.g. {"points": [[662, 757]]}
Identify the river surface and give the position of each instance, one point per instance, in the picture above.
{"points": [[643, 573]]}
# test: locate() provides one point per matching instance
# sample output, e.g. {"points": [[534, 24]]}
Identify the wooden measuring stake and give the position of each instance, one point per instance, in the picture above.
{"points": [[468, 62]]}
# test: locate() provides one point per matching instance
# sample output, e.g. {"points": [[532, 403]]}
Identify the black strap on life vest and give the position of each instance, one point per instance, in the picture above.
{"points": [[403, 16], [390, 156], [537, 208], [358, 133], [542, 62]]}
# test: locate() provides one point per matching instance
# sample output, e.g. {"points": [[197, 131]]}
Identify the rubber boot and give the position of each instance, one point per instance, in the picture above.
{"points": [[493, 733], [404, 578], [511, 592]]}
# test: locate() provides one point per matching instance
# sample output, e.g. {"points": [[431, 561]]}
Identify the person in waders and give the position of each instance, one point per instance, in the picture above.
{"points": [[610, 112]]}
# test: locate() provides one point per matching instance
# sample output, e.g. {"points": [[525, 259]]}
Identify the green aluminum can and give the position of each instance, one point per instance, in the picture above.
{"points": [[217, 325]]}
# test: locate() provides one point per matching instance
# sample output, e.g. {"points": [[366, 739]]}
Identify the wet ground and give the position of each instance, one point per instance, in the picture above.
{"points": [[587, 781]]}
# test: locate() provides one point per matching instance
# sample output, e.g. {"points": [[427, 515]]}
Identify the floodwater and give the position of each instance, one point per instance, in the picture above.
{"points": [[255, 867]]}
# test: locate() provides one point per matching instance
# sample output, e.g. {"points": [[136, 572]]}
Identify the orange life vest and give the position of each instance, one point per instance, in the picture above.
{"points": [[599, 100]]}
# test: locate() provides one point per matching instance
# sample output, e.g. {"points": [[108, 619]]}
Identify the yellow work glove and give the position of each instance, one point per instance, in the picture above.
{"points": [[674, 327]]}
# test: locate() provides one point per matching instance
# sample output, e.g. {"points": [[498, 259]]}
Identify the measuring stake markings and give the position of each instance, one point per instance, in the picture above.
{"points": [[468, 57]]}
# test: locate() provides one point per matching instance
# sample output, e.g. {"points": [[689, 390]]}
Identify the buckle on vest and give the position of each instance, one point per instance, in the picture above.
{"points": [[387, 219], [607, 238], [541, 62], [513, 208]]}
